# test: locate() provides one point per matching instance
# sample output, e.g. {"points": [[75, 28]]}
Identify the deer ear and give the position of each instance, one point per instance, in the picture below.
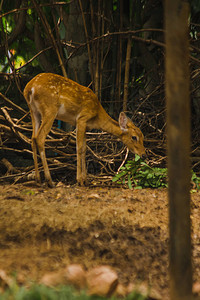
{"points": [[123, 121]]}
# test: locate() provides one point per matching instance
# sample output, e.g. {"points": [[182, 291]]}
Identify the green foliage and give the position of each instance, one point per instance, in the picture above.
{"points": [[195, 181], [41, 292], [141, 175]]}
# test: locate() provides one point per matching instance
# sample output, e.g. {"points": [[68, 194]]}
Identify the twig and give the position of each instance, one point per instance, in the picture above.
{"points": [[16, 10], [12, 104], [15, 127], [124, 160], [49, 33]]}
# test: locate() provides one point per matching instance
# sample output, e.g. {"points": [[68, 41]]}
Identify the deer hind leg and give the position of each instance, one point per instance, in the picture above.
{"points": [[36, 119], [40, 142], [81, 151]]}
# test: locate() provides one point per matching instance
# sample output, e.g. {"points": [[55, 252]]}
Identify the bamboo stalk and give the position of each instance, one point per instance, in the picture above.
{"points": [[49, 33], [57, 35], [94, 51], [97, 49], [126, 77], [87, 40], [119, 59], [101, 55]]}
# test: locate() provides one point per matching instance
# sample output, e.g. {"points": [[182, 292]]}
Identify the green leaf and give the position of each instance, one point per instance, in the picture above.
{"points": [[138, 173], [137, 157], [129, 182], [138, 187]]}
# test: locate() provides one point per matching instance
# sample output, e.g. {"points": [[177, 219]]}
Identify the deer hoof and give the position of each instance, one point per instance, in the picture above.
{"points": [[50, 184], [82, 182]]}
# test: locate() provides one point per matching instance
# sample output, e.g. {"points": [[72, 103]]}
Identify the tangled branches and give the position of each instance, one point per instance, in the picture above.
{"points": [[104, 152]]}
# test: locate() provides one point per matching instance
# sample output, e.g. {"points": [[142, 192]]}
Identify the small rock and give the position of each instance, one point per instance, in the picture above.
{"points": [[102, 281], [72, 274], [75, 274], [53, 279], [196, 288], [5, 280], [93, 196]]}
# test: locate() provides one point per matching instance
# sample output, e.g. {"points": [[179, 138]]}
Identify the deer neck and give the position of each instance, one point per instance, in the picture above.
{"points": [[106, 123]]}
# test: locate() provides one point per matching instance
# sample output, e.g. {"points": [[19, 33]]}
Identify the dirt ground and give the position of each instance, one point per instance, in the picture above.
{"points": [[43, 230]]}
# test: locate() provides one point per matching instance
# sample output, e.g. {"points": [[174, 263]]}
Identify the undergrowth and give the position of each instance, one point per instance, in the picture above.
{"points": [[138, 174], [41, 292]]}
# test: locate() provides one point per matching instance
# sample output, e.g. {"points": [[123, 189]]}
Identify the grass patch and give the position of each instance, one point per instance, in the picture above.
{"points": [[41, 292], [138, 174]]}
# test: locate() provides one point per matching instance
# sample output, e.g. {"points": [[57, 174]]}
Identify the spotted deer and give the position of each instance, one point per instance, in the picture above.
{"points": [[50, 97]]}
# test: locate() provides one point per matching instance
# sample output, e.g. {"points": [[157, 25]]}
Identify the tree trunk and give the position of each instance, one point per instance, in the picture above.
{"points": [[178, 118], [77, 65]]}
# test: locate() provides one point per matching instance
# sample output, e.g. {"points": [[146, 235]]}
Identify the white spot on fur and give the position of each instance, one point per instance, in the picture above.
{"points": [[77, 117], [61, 110], [37, 125], [32, 95], [35, 110]]}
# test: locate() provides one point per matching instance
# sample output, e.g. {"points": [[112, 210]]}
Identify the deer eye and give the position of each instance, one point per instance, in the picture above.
{"points": [[134, 138]]}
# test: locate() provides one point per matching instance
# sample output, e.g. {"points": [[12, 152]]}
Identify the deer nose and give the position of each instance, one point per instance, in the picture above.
{"points": [[143, 155]]}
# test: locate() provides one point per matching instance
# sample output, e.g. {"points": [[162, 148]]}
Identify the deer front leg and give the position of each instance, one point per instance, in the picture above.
{"points": [[81, 151], [40, 141]]}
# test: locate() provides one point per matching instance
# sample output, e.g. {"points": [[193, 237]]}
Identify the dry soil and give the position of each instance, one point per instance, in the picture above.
{"points": [[43, 230]]}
